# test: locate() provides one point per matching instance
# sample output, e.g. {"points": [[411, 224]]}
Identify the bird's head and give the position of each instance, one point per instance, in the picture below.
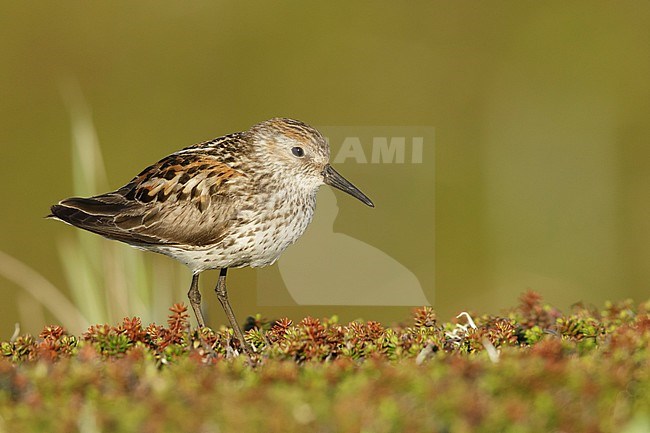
{"points": [[300, 150]]}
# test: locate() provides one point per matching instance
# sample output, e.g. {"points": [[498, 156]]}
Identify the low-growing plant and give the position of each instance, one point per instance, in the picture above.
{"points": [[533, 369]]}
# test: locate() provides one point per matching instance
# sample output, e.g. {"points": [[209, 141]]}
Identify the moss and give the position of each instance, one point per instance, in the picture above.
{"points": [[532, 369]]}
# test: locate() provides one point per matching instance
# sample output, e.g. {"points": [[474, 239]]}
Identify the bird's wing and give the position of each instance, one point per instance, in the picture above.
{"points": [[187, 198]]}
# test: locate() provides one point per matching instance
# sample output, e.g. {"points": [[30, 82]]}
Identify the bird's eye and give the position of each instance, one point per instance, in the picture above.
{"points": [[298, 151]]}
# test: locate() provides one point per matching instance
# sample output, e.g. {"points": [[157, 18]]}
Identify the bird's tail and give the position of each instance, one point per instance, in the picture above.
{"points": [[109, 215], [95, 214], [77, 210]]}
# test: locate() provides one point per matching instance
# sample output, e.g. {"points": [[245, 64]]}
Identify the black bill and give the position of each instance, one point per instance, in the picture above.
{"points": [[333, 178]]}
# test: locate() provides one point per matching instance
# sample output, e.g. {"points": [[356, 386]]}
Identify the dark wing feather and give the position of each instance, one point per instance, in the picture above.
{"points": [[187, 198], [95, 215]]}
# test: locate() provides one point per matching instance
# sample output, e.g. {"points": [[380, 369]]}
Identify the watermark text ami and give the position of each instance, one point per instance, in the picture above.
{"points": [[383, 150]]}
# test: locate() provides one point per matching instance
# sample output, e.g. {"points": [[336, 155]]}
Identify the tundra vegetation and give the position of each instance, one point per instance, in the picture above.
{"points": [[530, 369]]}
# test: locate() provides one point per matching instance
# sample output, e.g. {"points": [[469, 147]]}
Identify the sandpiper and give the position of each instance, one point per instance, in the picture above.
{"points": [[238, 200]]}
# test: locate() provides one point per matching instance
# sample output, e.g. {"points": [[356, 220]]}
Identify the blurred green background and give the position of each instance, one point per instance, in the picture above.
{"points": [[541, 112]]}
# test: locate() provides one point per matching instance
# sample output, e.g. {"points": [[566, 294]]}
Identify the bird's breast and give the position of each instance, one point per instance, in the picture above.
{"points": [[267, 229], [260, 231]]}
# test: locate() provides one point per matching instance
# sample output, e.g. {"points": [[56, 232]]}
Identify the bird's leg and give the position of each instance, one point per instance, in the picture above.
{"points": [[195, 299], [222, 294]]}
